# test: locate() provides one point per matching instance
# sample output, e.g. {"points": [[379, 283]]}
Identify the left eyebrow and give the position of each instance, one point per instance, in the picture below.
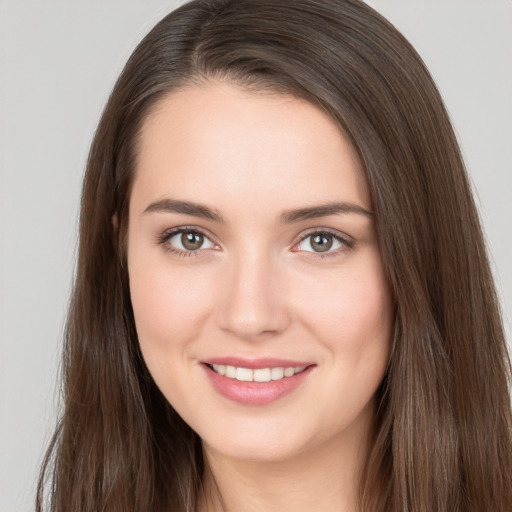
{"points": [[324, 210]]}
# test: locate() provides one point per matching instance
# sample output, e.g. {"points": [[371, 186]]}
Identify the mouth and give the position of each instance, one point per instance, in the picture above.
{"points": [[256, 374], [256, 382]]}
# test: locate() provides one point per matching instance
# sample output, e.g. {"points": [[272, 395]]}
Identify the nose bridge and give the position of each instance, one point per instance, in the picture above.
{"points": [[252, 304]]}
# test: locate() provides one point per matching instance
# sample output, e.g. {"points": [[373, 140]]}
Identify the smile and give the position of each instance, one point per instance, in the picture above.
{"points": [[262, 384], [257, 374]]}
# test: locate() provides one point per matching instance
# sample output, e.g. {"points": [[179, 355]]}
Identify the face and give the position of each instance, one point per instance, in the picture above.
{"points": [[260, 300]]}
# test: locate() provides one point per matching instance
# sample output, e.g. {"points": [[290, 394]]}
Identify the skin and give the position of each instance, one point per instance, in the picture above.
{"points": [[259, 289]]}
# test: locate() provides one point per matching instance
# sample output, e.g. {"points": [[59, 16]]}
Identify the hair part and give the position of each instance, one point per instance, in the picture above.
{"points": [[442, 436]]}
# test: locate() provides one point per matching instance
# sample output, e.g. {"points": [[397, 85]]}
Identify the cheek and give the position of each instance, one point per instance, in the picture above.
{"points": [[352, 318], [168, 305], [352, 315]]}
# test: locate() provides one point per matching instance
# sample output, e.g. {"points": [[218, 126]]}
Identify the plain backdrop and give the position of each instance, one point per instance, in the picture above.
{"points": [[58, 62]]}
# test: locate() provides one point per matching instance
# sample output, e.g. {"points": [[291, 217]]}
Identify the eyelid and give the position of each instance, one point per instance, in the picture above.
{"points": [[347, 241], [167, 234]]}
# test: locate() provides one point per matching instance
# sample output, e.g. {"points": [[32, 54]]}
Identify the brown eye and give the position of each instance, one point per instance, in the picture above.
{"points": [[192, 241], [321, 242], [189, 241]]}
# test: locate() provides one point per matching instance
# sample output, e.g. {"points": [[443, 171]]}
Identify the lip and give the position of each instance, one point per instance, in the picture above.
{"points": [[255, 393]]}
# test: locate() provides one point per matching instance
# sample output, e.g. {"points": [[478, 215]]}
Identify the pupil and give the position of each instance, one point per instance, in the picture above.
{"points": [[321, 243], [192, 241]]}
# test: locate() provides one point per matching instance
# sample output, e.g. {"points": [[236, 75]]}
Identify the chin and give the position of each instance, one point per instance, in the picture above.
{"points": [[260, 450]]}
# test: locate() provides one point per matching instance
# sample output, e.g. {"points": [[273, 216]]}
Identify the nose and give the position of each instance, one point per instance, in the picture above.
{"points": [[253, 304]]}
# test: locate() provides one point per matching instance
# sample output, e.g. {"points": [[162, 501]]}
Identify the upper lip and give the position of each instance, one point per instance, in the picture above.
{"points": [[262, 362]]}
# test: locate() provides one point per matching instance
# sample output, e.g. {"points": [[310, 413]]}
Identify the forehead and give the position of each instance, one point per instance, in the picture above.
{"points": [[218, 143]]}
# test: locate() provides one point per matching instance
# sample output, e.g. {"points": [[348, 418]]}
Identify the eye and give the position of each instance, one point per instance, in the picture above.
{"points": [[322, 242], [185, 240]]}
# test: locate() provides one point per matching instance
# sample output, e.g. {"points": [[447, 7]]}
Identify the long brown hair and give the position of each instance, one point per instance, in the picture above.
{"points": [[442, 437]]}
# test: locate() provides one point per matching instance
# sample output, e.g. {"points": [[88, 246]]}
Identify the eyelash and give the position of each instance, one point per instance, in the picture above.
{"points": [[346, 242], [164, 238]]}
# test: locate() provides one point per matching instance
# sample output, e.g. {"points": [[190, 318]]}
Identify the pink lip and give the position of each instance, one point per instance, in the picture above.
{"points": [[255, 393]]}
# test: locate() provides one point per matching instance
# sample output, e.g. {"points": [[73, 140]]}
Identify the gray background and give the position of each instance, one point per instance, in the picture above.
{"points": [[58, 61]]}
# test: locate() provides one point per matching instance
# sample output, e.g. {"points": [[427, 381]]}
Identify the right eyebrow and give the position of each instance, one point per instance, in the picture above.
{"points": [[185, 207]]}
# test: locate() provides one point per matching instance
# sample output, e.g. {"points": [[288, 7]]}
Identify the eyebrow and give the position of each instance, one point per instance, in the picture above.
{"points": [[323, 210], [185, 207], [287, 217]]}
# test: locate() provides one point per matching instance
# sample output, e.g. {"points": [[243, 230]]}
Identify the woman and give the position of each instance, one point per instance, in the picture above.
{"points": [[282, 299]]}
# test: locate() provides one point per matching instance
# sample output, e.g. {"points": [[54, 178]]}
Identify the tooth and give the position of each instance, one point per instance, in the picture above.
{"points": [[244, 374], [257, 375], [230, 372], [277, 373], [262, 375], [288, 372]]}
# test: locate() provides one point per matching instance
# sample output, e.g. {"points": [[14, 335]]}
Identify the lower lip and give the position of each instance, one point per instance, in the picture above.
{"points": [[255, 393]]}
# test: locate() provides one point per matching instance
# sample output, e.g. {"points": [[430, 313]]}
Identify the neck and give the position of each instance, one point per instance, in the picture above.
{"points": [[324, 478]]}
